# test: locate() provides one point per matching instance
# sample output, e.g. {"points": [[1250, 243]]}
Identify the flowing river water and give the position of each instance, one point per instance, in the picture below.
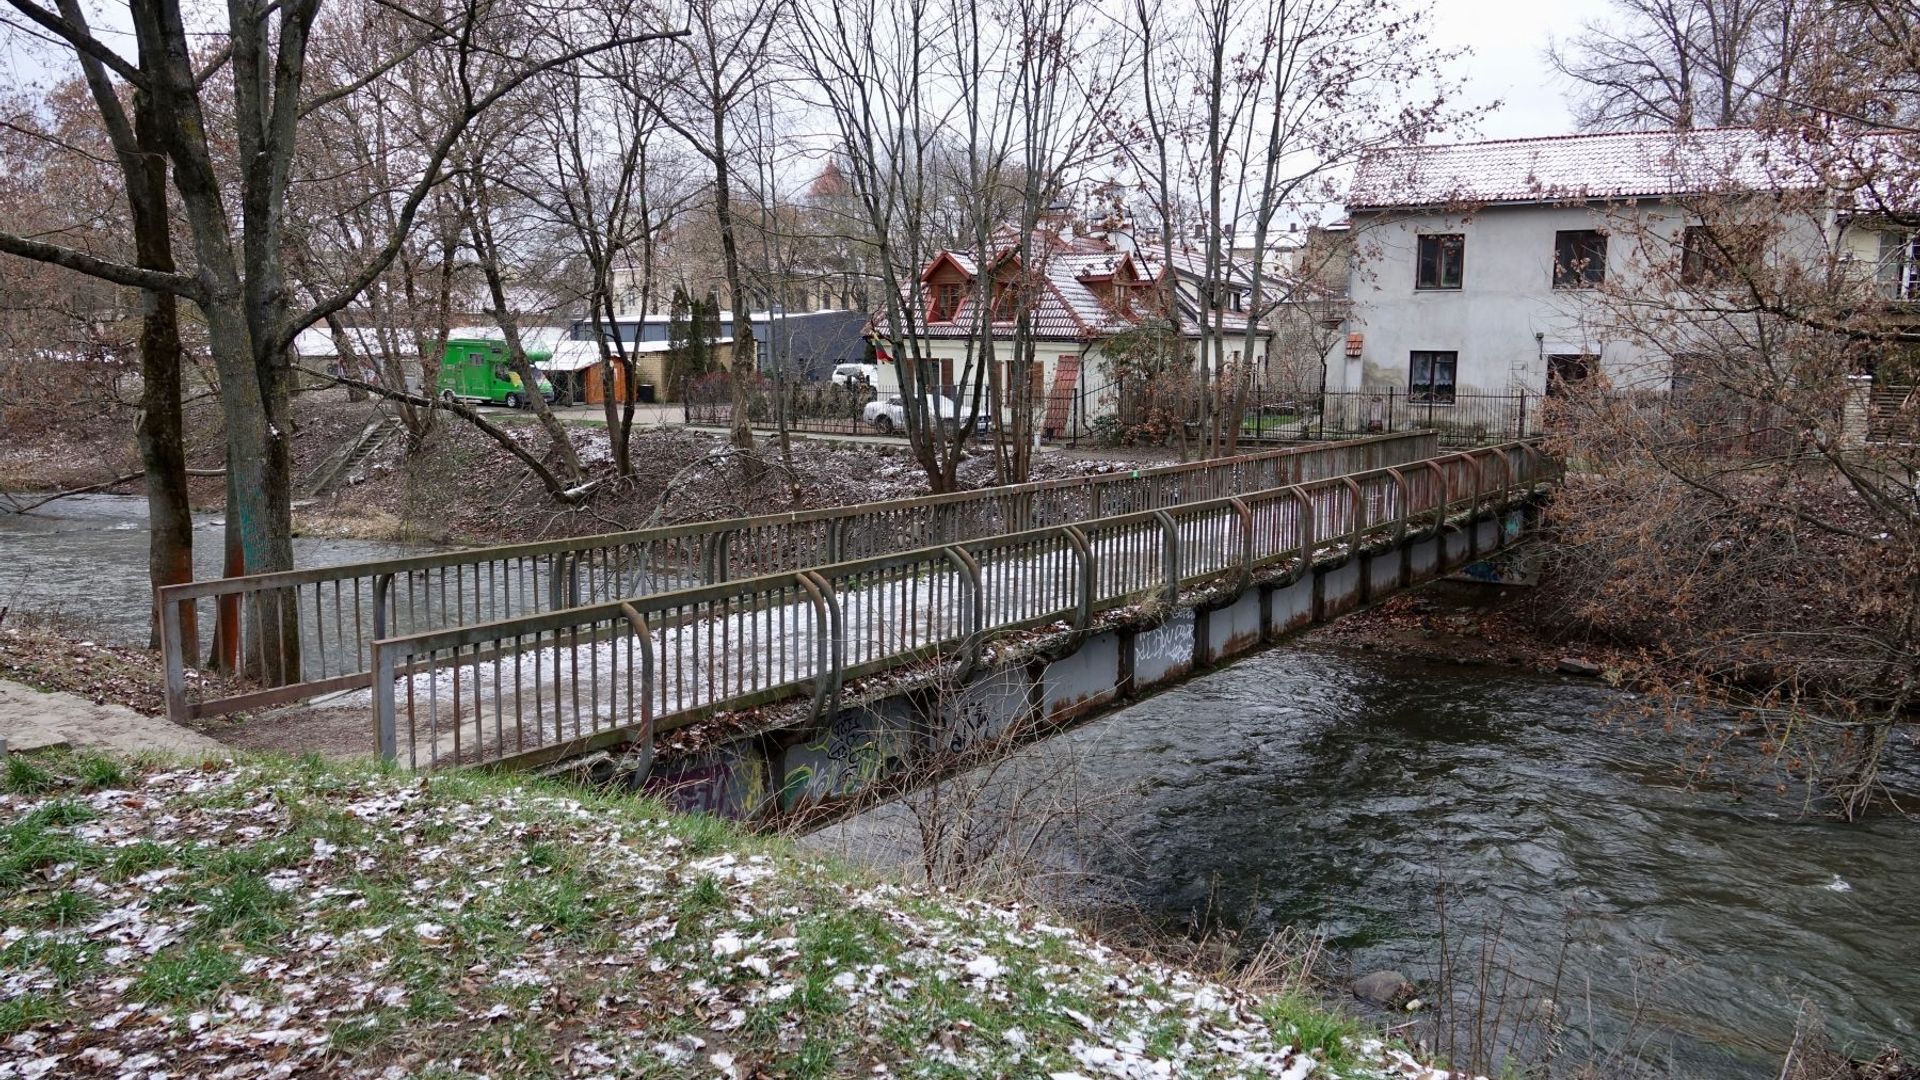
{"points": [[84, 558], [1333, 791]]}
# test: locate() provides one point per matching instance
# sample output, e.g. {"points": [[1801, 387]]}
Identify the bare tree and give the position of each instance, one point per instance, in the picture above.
{"points": [[605, 185], [121, 136], [1071, 71], [1685, 63], [359, 157], [1029, 83], [507, 239], [870, 65], [1289, 93], [238, 223], [727, 55]]}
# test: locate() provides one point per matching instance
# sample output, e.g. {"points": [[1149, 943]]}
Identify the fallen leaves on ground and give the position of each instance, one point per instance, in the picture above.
{"points": [[268, 919]]}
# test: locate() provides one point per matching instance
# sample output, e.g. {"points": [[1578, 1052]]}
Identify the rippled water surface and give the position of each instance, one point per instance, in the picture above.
{"points": [[85, 557], [1332, 791]]}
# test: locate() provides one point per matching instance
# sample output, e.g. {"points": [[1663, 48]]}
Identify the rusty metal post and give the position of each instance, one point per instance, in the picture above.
{"points": [[1088, 576], [385, 716], [976, 607], [825, 648], [1246, 540], [1170, 553]]}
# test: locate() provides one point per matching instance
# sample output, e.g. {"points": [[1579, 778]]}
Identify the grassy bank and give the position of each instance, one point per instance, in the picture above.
{"points": [[270, 916]]}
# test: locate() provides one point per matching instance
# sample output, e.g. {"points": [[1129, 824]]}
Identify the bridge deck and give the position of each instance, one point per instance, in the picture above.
{"points": [[303, 633], [550, 683]]}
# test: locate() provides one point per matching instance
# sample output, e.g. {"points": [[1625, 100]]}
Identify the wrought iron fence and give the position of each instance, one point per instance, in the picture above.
{"points": [[1460, 419], [1675, 421], [293, 635], [1127, 411], [821, 407], [558, 683]]}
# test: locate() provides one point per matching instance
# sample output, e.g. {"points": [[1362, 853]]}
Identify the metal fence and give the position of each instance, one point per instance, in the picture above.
{"points": [[1679, 421], [559, 683], [819, 407], [294, 635], [1135, 411], [1459, 419]]}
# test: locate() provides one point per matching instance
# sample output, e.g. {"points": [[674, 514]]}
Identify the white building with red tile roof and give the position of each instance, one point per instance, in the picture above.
{"points": [[1080, 292]]}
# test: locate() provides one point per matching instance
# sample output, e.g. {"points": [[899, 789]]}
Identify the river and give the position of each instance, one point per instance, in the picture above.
{"points": [[1333, 791], [84, 558]]}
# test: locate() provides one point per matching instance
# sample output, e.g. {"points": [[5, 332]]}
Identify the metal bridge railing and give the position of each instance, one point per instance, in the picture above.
{"points": [[294, 635], [552, 684]]}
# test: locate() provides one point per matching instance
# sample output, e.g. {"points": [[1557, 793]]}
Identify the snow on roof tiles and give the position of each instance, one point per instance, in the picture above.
{"points": [[1575, 167], [1066, 308]]}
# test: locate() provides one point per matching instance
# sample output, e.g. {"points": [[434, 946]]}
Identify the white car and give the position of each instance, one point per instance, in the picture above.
{"points": [[855, 374], [889, 414]]}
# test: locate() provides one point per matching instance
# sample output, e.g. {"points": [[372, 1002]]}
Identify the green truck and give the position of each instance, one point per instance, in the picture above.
{"points": [[476, 370]]}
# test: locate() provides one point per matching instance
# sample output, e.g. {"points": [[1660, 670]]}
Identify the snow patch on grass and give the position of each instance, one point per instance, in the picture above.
{"points": [[266, 918]]}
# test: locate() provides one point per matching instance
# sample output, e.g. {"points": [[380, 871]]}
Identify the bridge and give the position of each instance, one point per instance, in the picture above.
{"points": [[808, 654]]}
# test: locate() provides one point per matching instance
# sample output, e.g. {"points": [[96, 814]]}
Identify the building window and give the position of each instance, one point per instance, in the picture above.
{"points": [[1430, 377], [946, 302], [1442, 259], [1897, 276], [1006, 302], [1579, 258], [1567, 371], [1701, 261], [1717, 254]]}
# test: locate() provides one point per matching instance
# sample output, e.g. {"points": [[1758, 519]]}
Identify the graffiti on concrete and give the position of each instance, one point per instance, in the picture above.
{"points": [[857, 748], [724, 785], [1506, 568], [983, 711], [1165, 650]]}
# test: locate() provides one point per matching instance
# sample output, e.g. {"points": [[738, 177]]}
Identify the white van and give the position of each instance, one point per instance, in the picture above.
{"points": [[855, 374]]}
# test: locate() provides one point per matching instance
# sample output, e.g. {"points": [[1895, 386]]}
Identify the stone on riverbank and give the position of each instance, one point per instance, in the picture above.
{"points": [[1382, 987]]}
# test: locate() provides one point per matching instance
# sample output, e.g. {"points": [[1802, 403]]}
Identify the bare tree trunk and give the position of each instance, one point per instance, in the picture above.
{"points": [[169, 512], [742, 365], [487, 251], [139, 146], [161, 429]]}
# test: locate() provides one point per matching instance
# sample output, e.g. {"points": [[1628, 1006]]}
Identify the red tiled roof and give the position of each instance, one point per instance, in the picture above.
{"points": [[1066, 308]]}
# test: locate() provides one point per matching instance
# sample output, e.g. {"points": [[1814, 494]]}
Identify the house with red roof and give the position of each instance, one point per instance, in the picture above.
{"points": [[1080, 293]]}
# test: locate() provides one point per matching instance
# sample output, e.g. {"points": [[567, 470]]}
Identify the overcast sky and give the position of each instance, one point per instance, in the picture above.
{"points": [[1508, 38]]}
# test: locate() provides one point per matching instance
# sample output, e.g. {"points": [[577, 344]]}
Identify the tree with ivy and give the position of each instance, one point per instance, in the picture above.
{"points": [[690, 331], [1149, 364]]}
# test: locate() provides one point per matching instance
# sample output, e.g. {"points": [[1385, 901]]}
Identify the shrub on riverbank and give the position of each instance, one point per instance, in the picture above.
{"points": [[264, 916], [1784, 589]]}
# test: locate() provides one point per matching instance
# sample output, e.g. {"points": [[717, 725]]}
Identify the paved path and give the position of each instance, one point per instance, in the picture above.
{"points": [[31, 720]]}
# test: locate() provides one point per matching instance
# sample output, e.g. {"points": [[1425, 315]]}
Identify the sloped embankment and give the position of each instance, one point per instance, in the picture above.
{"points": [[267, 918]]}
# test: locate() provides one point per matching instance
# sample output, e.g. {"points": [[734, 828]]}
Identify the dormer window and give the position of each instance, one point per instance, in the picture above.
{"points": [[946, 302], [1006, 302]]}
